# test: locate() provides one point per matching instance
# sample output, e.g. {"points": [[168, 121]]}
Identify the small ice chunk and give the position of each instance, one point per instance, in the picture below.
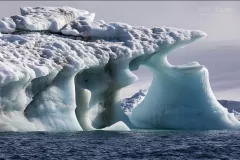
{"points": [[69, 30], [119, 126], [7, 25]]}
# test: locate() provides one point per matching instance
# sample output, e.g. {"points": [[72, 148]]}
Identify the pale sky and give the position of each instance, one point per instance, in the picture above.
{"points": [[219, 19]]}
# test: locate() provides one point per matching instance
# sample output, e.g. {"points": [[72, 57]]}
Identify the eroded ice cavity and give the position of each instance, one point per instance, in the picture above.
{"points": [[62, 70]]}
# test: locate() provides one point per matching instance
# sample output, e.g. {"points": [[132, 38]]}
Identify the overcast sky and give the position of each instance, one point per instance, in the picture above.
{"points": [[220, 20]]}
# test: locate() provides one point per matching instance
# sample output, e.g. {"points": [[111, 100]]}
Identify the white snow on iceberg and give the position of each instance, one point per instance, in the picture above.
{"points": [[48, 18], [58, 63]]}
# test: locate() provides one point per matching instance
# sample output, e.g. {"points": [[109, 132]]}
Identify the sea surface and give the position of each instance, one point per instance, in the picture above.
{"points": [[137, 144]]}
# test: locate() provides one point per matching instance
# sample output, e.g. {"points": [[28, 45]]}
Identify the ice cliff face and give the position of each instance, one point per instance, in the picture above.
{"points": [[56, 64]]}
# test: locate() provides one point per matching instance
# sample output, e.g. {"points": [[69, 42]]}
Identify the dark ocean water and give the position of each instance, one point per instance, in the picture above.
{"points": [[121, 145]]}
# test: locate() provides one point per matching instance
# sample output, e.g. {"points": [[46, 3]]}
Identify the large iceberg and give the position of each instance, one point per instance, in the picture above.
{"points": [[62, 70]]}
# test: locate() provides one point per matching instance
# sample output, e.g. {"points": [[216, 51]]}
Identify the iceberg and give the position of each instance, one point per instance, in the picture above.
{"points": [[60, 70]]}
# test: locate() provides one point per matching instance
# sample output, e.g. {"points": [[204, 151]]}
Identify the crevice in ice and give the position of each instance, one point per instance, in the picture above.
{"points": [[39, 84], [79, 37]]}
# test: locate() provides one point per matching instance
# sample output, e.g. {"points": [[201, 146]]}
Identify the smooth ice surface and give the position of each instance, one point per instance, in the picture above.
{"points": [[185, 99], [57, 64], [128, 104]]}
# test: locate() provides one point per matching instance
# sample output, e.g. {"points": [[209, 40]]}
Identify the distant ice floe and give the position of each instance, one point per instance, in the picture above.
{"points": [[128, 104]]}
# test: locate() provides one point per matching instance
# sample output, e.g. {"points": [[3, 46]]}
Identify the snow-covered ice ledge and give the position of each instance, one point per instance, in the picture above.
{"points": [[57, 65]]}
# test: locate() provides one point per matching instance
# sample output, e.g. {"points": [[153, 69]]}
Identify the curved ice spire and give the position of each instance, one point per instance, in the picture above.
{"points": [[180, 97]]}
